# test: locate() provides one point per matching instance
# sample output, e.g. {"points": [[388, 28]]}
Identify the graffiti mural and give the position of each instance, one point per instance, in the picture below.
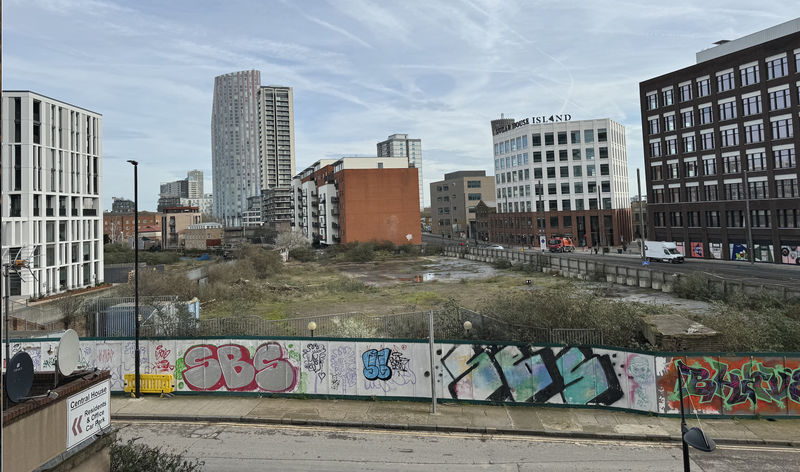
{"points": [[524, 374], [732, 385], [531, 374]]}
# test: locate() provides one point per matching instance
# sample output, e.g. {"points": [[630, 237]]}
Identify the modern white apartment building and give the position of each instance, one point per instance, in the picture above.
{"points": [[52, 167], [196, 189], [399, 145], [276, 136], [564, 175]]}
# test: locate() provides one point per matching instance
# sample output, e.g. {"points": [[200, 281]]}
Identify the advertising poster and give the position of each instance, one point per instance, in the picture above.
{"points": [[716, 250], [763, 253], [790, 255], [697, 250], [681, 248], [738, 252]]}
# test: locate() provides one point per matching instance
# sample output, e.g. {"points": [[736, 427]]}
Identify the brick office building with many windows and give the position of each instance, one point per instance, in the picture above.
{"points": [[720, 133], [560, 177]]}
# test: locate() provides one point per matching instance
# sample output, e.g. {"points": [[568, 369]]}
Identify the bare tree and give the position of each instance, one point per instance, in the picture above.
{"points": [[71, 308], [291, 240]]}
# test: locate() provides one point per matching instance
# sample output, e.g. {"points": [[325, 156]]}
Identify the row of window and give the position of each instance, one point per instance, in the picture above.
{"points": [[552, 189], [540, 223], [550, 139], [563, 172], [550, 156], [725, 81], [786, 218], [552, 205], [755, 160], [760, 190], [778, 100], [753, 134]]}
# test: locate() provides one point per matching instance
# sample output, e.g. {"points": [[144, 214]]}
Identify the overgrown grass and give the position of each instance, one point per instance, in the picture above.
{"points": [[133, 457]]}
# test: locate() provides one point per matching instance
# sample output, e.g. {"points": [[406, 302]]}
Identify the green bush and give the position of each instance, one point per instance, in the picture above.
{"points": [[303, 254], [265, 262], [360, 252], [501, 264], [131, 457], [384, 245], [408, 249], [695, 287]]}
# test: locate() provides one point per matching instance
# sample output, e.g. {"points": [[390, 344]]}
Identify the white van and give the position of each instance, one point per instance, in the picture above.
{"points": [[662, 251]]}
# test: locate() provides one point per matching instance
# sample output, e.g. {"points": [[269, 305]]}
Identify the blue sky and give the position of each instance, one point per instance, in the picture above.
{"points": [[361, 70]]}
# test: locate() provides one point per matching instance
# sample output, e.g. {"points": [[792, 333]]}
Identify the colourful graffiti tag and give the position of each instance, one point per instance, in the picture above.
{"points": [[734, 385], [230, 367]]}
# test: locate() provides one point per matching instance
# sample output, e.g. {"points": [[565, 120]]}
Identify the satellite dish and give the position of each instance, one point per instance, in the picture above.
{"points": [[696, 438], [19, 376], [68, 352]]}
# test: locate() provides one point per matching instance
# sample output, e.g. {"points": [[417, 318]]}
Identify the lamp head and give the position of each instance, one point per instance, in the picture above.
{"points": [[467, 325], [312, 326], [133, 162]]}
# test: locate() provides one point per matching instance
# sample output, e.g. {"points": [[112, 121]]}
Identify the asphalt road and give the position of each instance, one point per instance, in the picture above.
{"points": [[773, 274], [235, 447]]}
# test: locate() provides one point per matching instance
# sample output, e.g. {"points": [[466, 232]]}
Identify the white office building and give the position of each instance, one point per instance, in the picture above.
{"points": [[52, 169], [399, 145]]}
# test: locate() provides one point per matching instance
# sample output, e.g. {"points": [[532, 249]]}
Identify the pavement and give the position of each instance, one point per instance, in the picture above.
{"points": [[450, 417]]}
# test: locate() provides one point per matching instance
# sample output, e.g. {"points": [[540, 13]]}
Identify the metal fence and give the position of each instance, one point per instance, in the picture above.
{"points": [[114, 316], [448, 325]]}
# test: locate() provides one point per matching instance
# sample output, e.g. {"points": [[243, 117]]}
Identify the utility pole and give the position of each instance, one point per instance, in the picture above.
{"points": [[751, 251], [641, 217], [540, 211], [600, 228]]}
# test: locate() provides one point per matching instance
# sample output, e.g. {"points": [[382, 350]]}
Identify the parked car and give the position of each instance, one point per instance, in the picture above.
{"points": [[662, 251], [495, 246]]}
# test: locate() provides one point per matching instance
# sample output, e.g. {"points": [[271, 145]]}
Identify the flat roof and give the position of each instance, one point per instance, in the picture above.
{"points": [[51, 98], [724, 48]]}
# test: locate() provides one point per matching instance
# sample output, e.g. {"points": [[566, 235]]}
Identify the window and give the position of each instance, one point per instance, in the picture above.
{"points": [[474, 196], [564, 171], [707, 141], [656, 173], [652, 126], [551, 172], [658, 219], [575, 137], [727, 111], [552, 189], [786, 188], [784, 158], [759, 190], [735, 219], [672, 147], [712, 219], [729, 137], [689, 144], [704, 88], [537, 173], [777, 68], [603, 153], [537, 156], [693, 194], [562, 155], [686, 92], [525, 157], [676, 219], [754, 133], [527, 190], [605, 186], [780, 99], [749, 75], [731, 164], [669, 123], [602, 135], [578, 187], [711, 193], [527, 174], [734, 191], [706, 116], [789, 218], [668, 97], [593, 204], [554, 219], [675, 195], [652, 101], [588, 136], [589, 153], [473, 184], [513, 145], [751, 105], [496, 150], [576, 154], [567, 219], [548, 139], [690, 168], [607, 203], [725, 82], [760, 218], [551, 156], [591, 187], [693, 219], [604, 169], [658, 195], [562, 137], [756, 161], [565, 188], [536, 140], [687, 118], [590, 170], [672, 171], [525, 141], [579, 206], [782, 129]]}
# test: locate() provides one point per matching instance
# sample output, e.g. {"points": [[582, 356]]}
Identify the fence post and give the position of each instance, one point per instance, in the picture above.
{"points": [[433, 371]]}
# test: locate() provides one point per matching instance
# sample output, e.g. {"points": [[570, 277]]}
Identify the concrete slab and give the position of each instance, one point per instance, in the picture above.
{"points": [[555, 419]]}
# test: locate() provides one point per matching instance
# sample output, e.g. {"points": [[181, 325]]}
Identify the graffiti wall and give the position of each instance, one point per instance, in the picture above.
{"points": [[525, 374]]}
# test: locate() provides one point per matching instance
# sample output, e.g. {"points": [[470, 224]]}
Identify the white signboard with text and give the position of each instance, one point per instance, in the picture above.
{"points": [[88, 412]]}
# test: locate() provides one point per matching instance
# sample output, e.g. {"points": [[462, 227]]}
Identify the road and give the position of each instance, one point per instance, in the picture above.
{"points": [[237, 447], [759, 273]]}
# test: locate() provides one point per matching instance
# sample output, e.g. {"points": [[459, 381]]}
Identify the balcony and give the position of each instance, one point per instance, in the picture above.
{"points": [[315, 224], [62, 212], [334, 199], [89, 212], [74, 212], [337, 239], [335, 211], [335, 225], [50, 212]]}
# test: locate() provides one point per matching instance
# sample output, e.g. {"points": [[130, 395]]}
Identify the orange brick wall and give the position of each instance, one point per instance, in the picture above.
{"points": [[379, 204]]}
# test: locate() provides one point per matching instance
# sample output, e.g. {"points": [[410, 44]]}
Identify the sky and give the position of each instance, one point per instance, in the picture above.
{"points": [[360, 70]]}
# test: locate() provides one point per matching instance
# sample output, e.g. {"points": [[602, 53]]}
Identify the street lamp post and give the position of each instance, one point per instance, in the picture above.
{"points": [[694, 437], [641, 216], [137, 377], [751, 250], [311, 327]]}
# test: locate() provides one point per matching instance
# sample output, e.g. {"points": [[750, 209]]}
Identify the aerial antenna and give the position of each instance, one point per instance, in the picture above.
{"points": [[16, 265]]}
